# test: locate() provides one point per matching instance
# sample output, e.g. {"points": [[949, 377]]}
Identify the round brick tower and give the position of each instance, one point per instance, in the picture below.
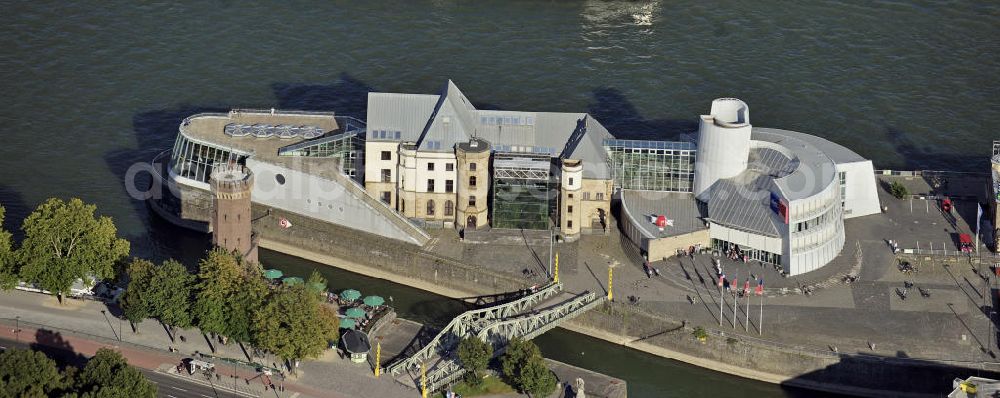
{"points": [[231, 218]]}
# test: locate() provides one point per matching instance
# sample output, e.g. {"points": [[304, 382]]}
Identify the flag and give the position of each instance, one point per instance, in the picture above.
{"points": [[284, 223], [979, 216], [726, 284], [746, 287], [760, 287], [722, 278]]}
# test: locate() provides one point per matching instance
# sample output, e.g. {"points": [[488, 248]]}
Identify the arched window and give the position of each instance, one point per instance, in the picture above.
{"points": [[472, 200], [449, 208], [430, 207]]}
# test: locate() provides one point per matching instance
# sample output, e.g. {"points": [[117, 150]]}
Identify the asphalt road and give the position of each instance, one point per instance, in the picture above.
{"points": [[168, 386]]}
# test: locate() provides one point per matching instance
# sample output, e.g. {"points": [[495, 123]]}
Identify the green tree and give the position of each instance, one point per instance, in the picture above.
{"points": [[8, 269], [219, 278], [139, 300], [474, 354], [523, 366], [536, 379], [173, 299], [107, 374], [898, 190], [64, 242], [243, 305], [294, 324], [28, 373]]}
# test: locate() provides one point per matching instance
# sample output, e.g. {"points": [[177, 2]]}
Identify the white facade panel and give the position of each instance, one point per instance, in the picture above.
{"points": [[316, 197], [861, 196], [374, 163]]}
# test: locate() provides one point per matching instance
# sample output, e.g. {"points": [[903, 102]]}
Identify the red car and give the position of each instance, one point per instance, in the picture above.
{"points": [[946, 205], [965, 243]]}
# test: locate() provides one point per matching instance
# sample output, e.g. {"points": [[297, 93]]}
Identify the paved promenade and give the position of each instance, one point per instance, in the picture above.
{"points": [[938, 313], [81, 326]]}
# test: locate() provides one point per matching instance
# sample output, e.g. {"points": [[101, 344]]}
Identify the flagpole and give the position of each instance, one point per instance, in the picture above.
{"points": [[747, 292], [722, 297], [734, 300], [760, 323]]}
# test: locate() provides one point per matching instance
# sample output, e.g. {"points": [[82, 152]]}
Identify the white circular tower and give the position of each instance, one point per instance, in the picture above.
{"points": [[723, 143]]}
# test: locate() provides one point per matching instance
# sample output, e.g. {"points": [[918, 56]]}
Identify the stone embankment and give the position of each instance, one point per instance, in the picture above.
{"points": [[621, 323]]}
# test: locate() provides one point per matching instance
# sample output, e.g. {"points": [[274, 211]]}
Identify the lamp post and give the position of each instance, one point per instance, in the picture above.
{"points": [[17, 328]]}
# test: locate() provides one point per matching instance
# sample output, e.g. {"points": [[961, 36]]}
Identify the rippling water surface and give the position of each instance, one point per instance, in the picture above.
{"points": [[90, 89]]}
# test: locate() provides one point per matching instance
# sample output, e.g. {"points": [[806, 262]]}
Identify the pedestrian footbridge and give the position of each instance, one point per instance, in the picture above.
{"points": [[526, 317]]}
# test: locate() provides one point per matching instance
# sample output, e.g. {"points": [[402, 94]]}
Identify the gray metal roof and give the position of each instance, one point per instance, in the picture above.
{"points": [[836, 152], [744, 202], [450, 118], [814, 170], [682, 208], [406, 113]]}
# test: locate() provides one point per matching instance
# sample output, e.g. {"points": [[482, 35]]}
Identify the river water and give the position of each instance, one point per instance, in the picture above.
{"points": [[92, 88]]}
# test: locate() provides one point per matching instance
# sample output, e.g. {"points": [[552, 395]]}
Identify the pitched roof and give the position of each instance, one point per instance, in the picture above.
{"points": [[450, 118]]}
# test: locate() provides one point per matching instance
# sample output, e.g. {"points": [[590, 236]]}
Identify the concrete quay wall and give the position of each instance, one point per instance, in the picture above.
{"points": [[615, 322]]}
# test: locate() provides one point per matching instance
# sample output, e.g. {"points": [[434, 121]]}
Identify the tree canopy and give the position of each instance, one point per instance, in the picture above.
{"points": [[138, 301], [64, 241], [219, 279], [173, 300], [474, 354], [294, 324], [522, 364], [8, 269], [27, 373], [107, 374]]}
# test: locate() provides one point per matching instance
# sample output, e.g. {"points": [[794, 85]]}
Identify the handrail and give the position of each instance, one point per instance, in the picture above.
{"points": [[456, 325]]}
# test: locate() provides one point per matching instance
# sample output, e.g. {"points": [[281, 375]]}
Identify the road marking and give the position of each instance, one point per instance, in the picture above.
{"points": [[206, 396], [178, 388], [295, 395], [171, 396]]}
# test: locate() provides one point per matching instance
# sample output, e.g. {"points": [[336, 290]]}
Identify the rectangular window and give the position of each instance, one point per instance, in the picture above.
{"points": [[449, 186], [386, 197], [386, 155], [571, 181], [449, 167], [430, 166], [472, 181], [430, 185], [472, 166], [569, 224], [386, 175], [600, 196], [586, 196], [569, 209], [571, 196], [472, 200]]}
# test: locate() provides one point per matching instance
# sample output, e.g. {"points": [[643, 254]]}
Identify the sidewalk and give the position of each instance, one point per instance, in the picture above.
{"points": [[85, 326]]}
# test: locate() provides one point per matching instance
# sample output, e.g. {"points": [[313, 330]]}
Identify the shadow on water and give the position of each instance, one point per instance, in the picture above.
{"points": [[16, 210], [923, 158], [347, 96], [623, 120]]}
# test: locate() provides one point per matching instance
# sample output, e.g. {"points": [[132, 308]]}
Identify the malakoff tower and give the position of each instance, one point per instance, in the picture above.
{"points": [[231, 218]]}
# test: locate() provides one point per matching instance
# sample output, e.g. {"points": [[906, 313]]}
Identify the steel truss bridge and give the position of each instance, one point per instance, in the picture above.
{"points": [[526, 318]]}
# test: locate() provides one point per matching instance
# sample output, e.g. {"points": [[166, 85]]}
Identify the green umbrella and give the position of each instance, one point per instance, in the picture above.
{"points": [[318, 287], [293, 280], [350, 294], [374, 301], [354, 312], [347, 323], [273, 274]]}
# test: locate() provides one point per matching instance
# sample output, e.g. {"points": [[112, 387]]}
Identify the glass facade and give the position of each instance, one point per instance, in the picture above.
{"points": [[194, 160], [524, 195], [347, 147], [725, 248], [651, 165]]}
